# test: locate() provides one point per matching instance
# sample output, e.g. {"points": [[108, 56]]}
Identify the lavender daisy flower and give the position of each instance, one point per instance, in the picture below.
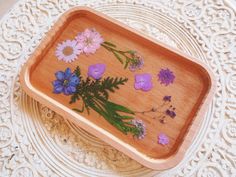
{"points": [[89, 41], [166, 76], [141, 126], [167, 98], [137, 62], [67, 51], [143, 82], [96, 71], [66, 82], [163, 139], [170, 113]]}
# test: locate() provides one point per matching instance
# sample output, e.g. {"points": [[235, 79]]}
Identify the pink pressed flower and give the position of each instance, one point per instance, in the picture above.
{"points": [[89, 41], [67, 51]]}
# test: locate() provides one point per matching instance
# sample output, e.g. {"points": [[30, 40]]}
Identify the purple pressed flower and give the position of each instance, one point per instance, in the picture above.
{"points": [[170, 113], [67, 51], [167, 98], [163, 139], [137, 62], [89, 41], [66, 82], [141, 126], [143, 82], [166, 76], [96, 71]]}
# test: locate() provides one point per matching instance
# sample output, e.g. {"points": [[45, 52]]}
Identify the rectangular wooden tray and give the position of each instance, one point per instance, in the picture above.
{"points": [[192, 89]]}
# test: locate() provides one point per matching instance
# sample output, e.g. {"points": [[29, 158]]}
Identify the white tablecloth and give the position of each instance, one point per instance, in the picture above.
{"points": [[34, 141]]}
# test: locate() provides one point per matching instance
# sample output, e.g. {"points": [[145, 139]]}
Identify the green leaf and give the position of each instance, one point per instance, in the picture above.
{"points": [[77, 71], [77, 110], [111, 83], [120, 108], [118, 57], [127, 117], [126, 63]]}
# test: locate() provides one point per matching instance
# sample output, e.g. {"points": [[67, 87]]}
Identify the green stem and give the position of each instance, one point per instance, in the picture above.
{"points": [[152, 111], [109, 114], [78, 110], [106, 116], [116, 53]]}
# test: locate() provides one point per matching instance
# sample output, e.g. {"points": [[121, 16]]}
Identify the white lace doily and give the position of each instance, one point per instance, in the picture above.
{"points": [[34, 141]]}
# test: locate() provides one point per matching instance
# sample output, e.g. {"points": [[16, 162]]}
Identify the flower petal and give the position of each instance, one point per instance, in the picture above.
{"points": [[57, 83], [147, 86], [96, 71], [75, 51], [143, 82], [60, 75], [67, 73], [58, 89], [69, 90], [72, 89], [163, 139], [74, 80], [138, 85], [89, 41], [166, 76]]}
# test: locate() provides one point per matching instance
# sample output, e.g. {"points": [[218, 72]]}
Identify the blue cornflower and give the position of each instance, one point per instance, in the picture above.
{"points": [[66, 82]]}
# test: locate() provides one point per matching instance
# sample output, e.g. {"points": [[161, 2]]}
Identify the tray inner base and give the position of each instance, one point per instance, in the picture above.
{"points": [[188, 91]]}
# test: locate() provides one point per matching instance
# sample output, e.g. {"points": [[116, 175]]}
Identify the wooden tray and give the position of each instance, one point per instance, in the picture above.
{"points": [[191, 91]]}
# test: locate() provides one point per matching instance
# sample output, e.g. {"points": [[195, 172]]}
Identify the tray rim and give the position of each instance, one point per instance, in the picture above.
{"points": [[157, 164]]}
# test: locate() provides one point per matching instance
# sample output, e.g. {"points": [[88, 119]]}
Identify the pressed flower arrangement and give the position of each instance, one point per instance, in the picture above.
{"points": [[120, 86], [89, 41], [94, 91]]}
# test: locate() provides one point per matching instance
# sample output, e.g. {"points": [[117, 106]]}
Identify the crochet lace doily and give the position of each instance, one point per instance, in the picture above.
{"points": [[35, 141]]}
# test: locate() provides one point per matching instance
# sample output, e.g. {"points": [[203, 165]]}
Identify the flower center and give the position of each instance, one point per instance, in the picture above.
{"points": [[166, 76], [142, 81], [88, 41], [68, 51], [96, 71], [65, 82]]}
